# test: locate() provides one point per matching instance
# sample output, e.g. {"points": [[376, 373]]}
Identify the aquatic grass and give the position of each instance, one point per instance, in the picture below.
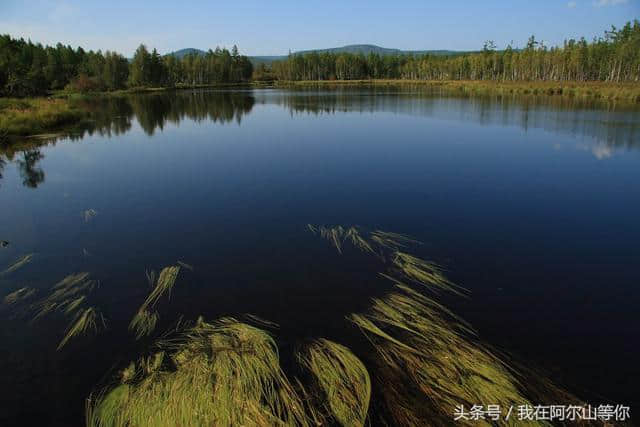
{"points": [[424, 272], [151, 277], [334, 235], [143, 323], [342, 378], [145, 320], [393, 241], [164, 285], [224, 373], [185, 265], [353, 234], [17, 264], [89, 214], [19, 295], [66, 296], [85, 321], [72, 305], [387, 245], [428, 362], [383, 241]]}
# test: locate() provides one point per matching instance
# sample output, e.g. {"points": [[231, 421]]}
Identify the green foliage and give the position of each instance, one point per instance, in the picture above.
{"points": [[30, 69], [614, 58]]}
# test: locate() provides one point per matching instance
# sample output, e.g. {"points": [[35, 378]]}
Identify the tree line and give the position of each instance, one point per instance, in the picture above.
{"points": [[28, 68], [614, 57]]}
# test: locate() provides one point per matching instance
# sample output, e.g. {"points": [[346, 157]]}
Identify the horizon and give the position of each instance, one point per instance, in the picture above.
{"points": [[277, 29]]}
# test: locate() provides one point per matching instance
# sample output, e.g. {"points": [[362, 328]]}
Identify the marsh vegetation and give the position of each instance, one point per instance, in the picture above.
{"points": [[420, 360]]}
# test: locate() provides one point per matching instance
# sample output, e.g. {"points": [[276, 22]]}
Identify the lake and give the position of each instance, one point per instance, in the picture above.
{"points": [[531, 203]]}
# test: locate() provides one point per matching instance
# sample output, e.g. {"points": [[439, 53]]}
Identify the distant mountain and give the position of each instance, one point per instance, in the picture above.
{"points": [[184, 52], [357, 49], [366, 49]]}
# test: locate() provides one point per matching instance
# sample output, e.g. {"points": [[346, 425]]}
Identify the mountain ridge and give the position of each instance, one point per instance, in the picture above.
{"points": [[364, 49]]}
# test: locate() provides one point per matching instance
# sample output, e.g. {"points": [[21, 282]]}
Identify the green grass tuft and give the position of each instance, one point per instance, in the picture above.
{"points": [[225, 373], [85, 321], [342, 379]]}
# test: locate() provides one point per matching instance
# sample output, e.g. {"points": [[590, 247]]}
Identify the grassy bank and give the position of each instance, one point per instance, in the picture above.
{"points": [[602, 90], [30, 116]]}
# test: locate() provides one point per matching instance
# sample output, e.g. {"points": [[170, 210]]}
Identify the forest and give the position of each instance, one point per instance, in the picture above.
{"points": [[31, 69], [614, 57]]}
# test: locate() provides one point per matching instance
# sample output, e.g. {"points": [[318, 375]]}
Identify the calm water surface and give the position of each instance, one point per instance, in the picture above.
{"points": [[530, 203]]}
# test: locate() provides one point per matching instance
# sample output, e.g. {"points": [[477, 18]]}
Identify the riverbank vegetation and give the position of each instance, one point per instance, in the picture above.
{"points": [[606, 68], [31, 69], [622, 91], [614, 57], [29, 116]]}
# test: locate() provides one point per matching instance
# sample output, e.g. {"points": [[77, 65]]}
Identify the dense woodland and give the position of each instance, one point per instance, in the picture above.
{"points": [[615, 57], [28, 68]]}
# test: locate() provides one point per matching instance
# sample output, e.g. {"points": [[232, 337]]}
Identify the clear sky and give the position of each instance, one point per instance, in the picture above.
{"points": [[275, 27]]}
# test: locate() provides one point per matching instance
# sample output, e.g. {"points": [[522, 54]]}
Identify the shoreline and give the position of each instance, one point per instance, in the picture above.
{"points": [[624, 91], [29, 117]]}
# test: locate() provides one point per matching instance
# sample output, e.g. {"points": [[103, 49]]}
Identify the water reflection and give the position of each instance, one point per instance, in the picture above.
{"points": [[32, 175], [599, 127], [610, 124]]}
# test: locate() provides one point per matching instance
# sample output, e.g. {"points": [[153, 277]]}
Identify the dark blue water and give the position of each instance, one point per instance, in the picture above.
{"points": [[530, 203]]}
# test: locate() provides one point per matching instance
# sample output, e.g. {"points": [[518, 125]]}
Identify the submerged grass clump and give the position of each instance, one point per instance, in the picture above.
{"points": [[67, 295], [89, 214], [225, 373], [145, 319], [185, 265], [342, 378], [143, 323], [393, 241], [428, 361], [17, 264], [423, 272], [334, 235], [388, 246], [19, 295], [85, 321]]}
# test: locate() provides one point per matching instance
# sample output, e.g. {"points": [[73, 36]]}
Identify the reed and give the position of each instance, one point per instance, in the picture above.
{"points": [[342, 379]]}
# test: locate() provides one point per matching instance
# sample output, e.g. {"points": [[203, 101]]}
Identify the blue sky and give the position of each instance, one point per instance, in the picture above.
{"points": [[275, 27]]}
